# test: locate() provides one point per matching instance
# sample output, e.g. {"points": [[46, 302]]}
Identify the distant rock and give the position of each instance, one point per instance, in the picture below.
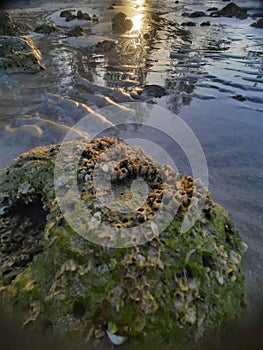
{"points": [[76, 31], [83, 16], [231, 10], [240, 98], [189, 24], [205, 24], [120, 24], [95, 19], [197, 14], [18, 55], [46, 28], [106, 45], [9, 26], [210, 9], [258, 23], [69, 16]]}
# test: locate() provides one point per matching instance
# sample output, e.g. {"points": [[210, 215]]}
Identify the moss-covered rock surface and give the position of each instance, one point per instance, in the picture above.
{"points": [[176, 287]]}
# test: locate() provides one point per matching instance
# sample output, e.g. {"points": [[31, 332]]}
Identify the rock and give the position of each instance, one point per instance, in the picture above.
{"points": [[120, 24], [106, 45], [66, 13], [189, 24], [76, 31], [18, 55], [258, 23], [197, 14], [154, 91], [95, 19], [8, 25], [83, 16], [46, 28], [204, 24], [176, 287], [239, 98], [69, 16], [210, 9], [231, 10]]}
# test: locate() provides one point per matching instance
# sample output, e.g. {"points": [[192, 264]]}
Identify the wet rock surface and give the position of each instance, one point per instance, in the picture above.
{"points": [[176, 287], [9, 26], [19, 55]]}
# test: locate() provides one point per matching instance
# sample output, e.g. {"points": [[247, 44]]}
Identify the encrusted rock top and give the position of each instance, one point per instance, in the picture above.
{"points": [[19, 55], [10, 27], [176, 287]]}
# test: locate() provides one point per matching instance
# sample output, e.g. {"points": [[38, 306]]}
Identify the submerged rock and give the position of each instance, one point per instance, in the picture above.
{"points": [[231, 10], [258, 23], [176, 287], [120, 24], [9, 26], [19, 55]]}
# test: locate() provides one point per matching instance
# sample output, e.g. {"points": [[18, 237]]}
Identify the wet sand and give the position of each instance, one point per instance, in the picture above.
{"points": [[202, 70]]}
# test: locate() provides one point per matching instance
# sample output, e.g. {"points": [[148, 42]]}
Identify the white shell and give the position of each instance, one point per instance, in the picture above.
{"points": [[116, 339], [244, 246], [154, 228]]}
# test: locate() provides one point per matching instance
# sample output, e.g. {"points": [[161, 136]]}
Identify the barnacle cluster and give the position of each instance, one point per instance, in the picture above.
{"points": [[178, 286]]}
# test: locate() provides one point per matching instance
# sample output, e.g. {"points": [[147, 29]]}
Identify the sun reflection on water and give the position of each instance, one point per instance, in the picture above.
{"points": [[137, 21]]}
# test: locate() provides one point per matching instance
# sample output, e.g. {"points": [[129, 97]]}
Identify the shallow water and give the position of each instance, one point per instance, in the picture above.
{"points": [[202, 68]]}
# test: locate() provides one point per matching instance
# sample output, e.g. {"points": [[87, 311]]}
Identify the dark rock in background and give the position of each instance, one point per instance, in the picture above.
{"points": [[231, 10], [258, 23]]}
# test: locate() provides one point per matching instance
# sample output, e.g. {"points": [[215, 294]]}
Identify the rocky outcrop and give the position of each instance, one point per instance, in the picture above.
{"points": [[175, 287], [231, 10], [19, 55], [9, 26]]}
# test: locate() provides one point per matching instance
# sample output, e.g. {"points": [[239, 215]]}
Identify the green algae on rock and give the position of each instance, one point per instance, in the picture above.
{"points": [[19, 55], [176, 287]]}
